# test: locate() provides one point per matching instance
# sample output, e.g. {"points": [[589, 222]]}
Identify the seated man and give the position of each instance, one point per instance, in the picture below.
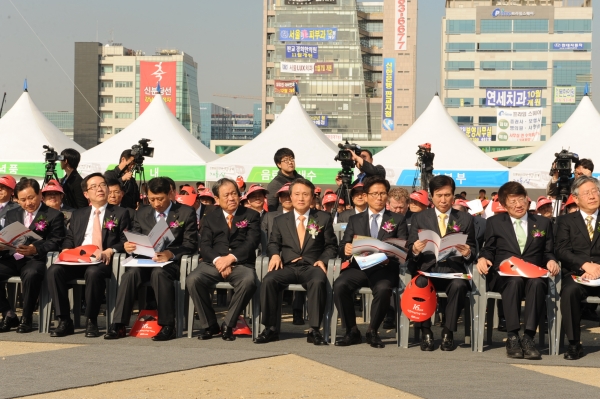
{"points": [[440, 219], [359, 199], [115, 196], [53, 195], [29, 261], [230, 237], [379, 223], [182, 221], [300, 246], [527, 237], [99, 224]]}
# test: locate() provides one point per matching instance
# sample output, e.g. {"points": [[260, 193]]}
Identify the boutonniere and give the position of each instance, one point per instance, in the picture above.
{"points": [[453, 227], [538, 233], [313, 228], [389, 226], [40, 224], [110, 223], [242, 224], [175, 224]]}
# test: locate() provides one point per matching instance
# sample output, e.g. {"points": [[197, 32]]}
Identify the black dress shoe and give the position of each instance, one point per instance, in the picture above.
{"points": [[8, 323], [315, 337], [116, 331], [352, 338], [574, 352], [227, 333], [529, 350], [298, 318], [427, 344], [374, 340], [267, 335], [447, 343], [207, 333], [166, 333], [26, 325], [91, 329], [65, 327], [513, 347], [502, 324]]}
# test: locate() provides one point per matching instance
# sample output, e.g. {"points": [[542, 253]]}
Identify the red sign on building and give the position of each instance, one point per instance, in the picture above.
{"points": [[153, 73]]}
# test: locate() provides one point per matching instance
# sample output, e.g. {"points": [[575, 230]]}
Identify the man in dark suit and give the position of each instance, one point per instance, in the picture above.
{"points": [[376, 222], [29, 261], [123, 173], [364, 163], [115, 197], [7, 188], [359, 199], [527, 237], [100, 224], [578, 250], [230, 237], [441, 219], [182, 221], [71, 182], [300, 247]]}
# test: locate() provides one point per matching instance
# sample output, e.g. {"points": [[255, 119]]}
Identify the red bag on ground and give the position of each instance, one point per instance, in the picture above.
{"points": [[242, 328], [146, 325]]}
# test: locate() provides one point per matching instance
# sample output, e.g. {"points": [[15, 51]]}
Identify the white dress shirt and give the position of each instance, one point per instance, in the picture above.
{"points": [[379, 219], [594, 217], [34, 215], [306, 216], [447, 213], [166, 212], [87, 238]]}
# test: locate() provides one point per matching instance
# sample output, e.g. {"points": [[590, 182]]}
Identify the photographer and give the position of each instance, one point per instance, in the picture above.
{"points": [[71, 183], [583, 167], [123, 173], [364, 162], [286, 163], [425, 163]]}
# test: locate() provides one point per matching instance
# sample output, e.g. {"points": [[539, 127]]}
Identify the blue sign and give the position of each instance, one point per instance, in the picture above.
{"points": [[307, 34], [387, 107], [466, 178], [320, 120], [567, 46], [500, 12], [513, 98], [299, 51]]}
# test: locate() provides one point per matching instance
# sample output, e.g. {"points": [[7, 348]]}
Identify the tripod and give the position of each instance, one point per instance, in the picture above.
{"points": [[139, 174], [343, 191], [50, 173]]}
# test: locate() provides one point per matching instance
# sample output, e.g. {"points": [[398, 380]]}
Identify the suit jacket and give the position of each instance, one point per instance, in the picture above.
{"points": [[186, 236], [344, 217], [284, 240], [131, 198], [480, 224], [266, 227], [369, 170], [218, 240], [10, 206], [52, 234], [73, 193], [573, 244], [114, 238], [428, 220]]}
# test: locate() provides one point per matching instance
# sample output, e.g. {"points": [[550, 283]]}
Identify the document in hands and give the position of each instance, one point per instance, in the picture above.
{"points": [[448, 276], [442, 247], [14, 235], [369, 252], [158, 240], [591, 283], [139, 262]]}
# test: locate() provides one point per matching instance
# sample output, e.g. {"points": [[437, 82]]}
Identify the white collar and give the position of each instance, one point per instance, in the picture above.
{"points": [[297, 215], [371, 213], [438, 213], [585, 215], [523, 219]]}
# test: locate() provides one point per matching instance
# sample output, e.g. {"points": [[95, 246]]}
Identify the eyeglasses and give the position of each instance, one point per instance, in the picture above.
{"points": [[517, 201], [379, 195], [96, 186], [288, 160], [591, 193]]}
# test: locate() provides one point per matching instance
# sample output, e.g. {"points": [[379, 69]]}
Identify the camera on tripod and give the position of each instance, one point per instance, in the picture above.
{"points": [[141, 150], [563, 165], [51, 155], [345, 157]]}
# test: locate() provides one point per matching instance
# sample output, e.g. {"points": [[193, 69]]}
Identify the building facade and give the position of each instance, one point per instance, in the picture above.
{"points": [[63, 120], [117, 84], [216, 122], [353, 64], [513, 71]]}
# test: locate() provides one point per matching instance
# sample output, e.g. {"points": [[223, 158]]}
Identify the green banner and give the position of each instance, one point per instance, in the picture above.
{"points": [[265, 174], [27, 169], [175, 172]]}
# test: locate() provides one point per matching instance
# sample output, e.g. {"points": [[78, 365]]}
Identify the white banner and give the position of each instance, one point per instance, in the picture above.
{"points": [[519, 124], [565, 95], [297, 67], [401, 25]]}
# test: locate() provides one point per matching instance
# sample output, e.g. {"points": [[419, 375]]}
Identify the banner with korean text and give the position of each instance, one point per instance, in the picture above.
{"points": [[300, 51], [152, 73], [513, 98], [519, 124], [565, 95], [389, 71], [285, 86], [307, 34]]}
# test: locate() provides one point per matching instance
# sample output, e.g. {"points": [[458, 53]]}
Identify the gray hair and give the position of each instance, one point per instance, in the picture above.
{"points": [[581, 181], [221, 182]]}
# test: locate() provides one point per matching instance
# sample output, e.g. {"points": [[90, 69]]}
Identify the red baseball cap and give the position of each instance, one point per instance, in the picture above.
{"points": [[570, 200], [485, 203], [328, 191], [542, 201], [420, 196], [358, 186], [462, 202], [317, 190], [53, 185], [186, 199], [329, 198], [189, 189], [426, 145], [240, 182], [206, 193], [254, 188], [284, 189], [8, 181]]}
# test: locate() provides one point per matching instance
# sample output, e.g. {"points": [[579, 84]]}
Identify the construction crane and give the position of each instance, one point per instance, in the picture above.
{"points": [[236, 96]]}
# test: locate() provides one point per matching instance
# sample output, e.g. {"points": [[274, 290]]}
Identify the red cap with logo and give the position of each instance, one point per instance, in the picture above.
{"points": [[206, 193], [329, 198], [542, 201], [496, 206], [186, 199], [357, 187], [317, 190], [418, 304], [8, 181], [189, 189], [284, 189], [240, 182], [256, 187], [462, 202], [53, 185], [420, 196]]}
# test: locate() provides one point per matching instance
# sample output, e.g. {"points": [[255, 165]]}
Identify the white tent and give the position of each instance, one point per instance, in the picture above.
{"points": [[23, 132], [455, 154], [580, 134], [293, 129], [177, 153]]}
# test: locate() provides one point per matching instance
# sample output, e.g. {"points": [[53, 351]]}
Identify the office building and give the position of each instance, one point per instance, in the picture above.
{"points": [[513, 71], [63, 120], [216, 122], [353, 64], [117, 84]]}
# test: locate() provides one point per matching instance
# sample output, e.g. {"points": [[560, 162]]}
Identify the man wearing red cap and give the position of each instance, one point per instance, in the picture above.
{"points": [[419, 201], [544, 207], [286, 163], [7, 188], [256, 198], [52, 195]]}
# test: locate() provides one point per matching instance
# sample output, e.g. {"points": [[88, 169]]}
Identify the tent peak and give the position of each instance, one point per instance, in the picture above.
{"points": [[437, 94], [25, 85]]}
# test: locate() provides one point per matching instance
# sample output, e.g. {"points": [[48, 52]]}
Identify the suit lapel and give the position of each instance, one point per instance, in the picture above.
{"points": [[435, 224], [386, 217], [311, 215], [596, 232], [291, 223], [531, 225], [580, 222]]}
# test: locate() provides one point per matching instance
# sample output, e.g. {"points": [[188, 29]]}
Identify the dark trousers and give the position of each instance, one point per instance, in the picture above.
{"points": [[312, 279], [571, 296], [32, 273], [381, 280], [456, 291], [298, 300], [161, 278], [201, 282], [95, 285], [513, 290]]}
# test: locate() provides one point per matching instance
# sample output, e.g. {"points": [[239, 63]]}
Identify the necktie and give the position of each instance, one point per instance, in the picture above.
{"points": [[1, 207], [590, 228], [28, 219], [442, 223], [374, 227], [301, 230], [229, 219], [97, 231], [161, 216], [521, 236]]}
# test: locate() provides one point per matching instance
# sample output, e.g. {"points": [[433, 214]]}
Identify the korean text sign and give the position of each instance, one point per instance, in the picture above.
{"points": [[153, 73]]}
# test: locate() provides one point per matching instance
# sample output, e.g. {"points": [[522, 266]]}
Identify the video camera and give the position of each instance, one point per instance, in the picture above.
{"points": [[141, 150], [51, 155], [563, 164], [345, 157]]}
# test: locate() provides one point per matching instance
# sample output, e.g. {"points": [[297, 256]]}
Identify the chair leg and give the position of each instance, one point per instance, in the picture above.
{"points": [[490, 320], [77, 305], [179, 306], [468, 321], [190, 317], [279, 311], [496, 314]]}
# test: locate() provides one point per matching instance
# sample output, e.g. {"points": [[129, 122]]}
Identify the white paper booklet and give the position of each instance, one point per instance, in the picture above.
{"points": [[442, 247], [137, 262], [591, 283], [159, 238], [392, 247], [14, 235]]}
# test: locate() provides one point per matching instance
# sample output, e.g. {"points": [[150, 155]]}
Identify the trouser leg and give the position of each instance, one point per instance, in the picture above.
{"points": [[163, 279], [243, 279], [273, 283], [314, 281], [344, 287]]}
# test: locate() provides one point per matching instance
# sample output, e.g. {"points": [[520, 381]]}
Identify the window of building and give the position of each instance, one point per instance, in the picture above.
{"points": [[124, 68], [106, 99], [121, 84], [463, 119], [124, 100], [106, 83], [371, 26], [460, 65], [572, 25], [460, 26], [529, 65], [123, 115], [119, 129], [494, 47], [458, 102], [460, 84], [106, 115], [527, 83], [459, 47], [530, 46], [530, 26], [105, 130], [495, 65], [106, 68], [488, 120], [496, 26], [494, 83]]}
